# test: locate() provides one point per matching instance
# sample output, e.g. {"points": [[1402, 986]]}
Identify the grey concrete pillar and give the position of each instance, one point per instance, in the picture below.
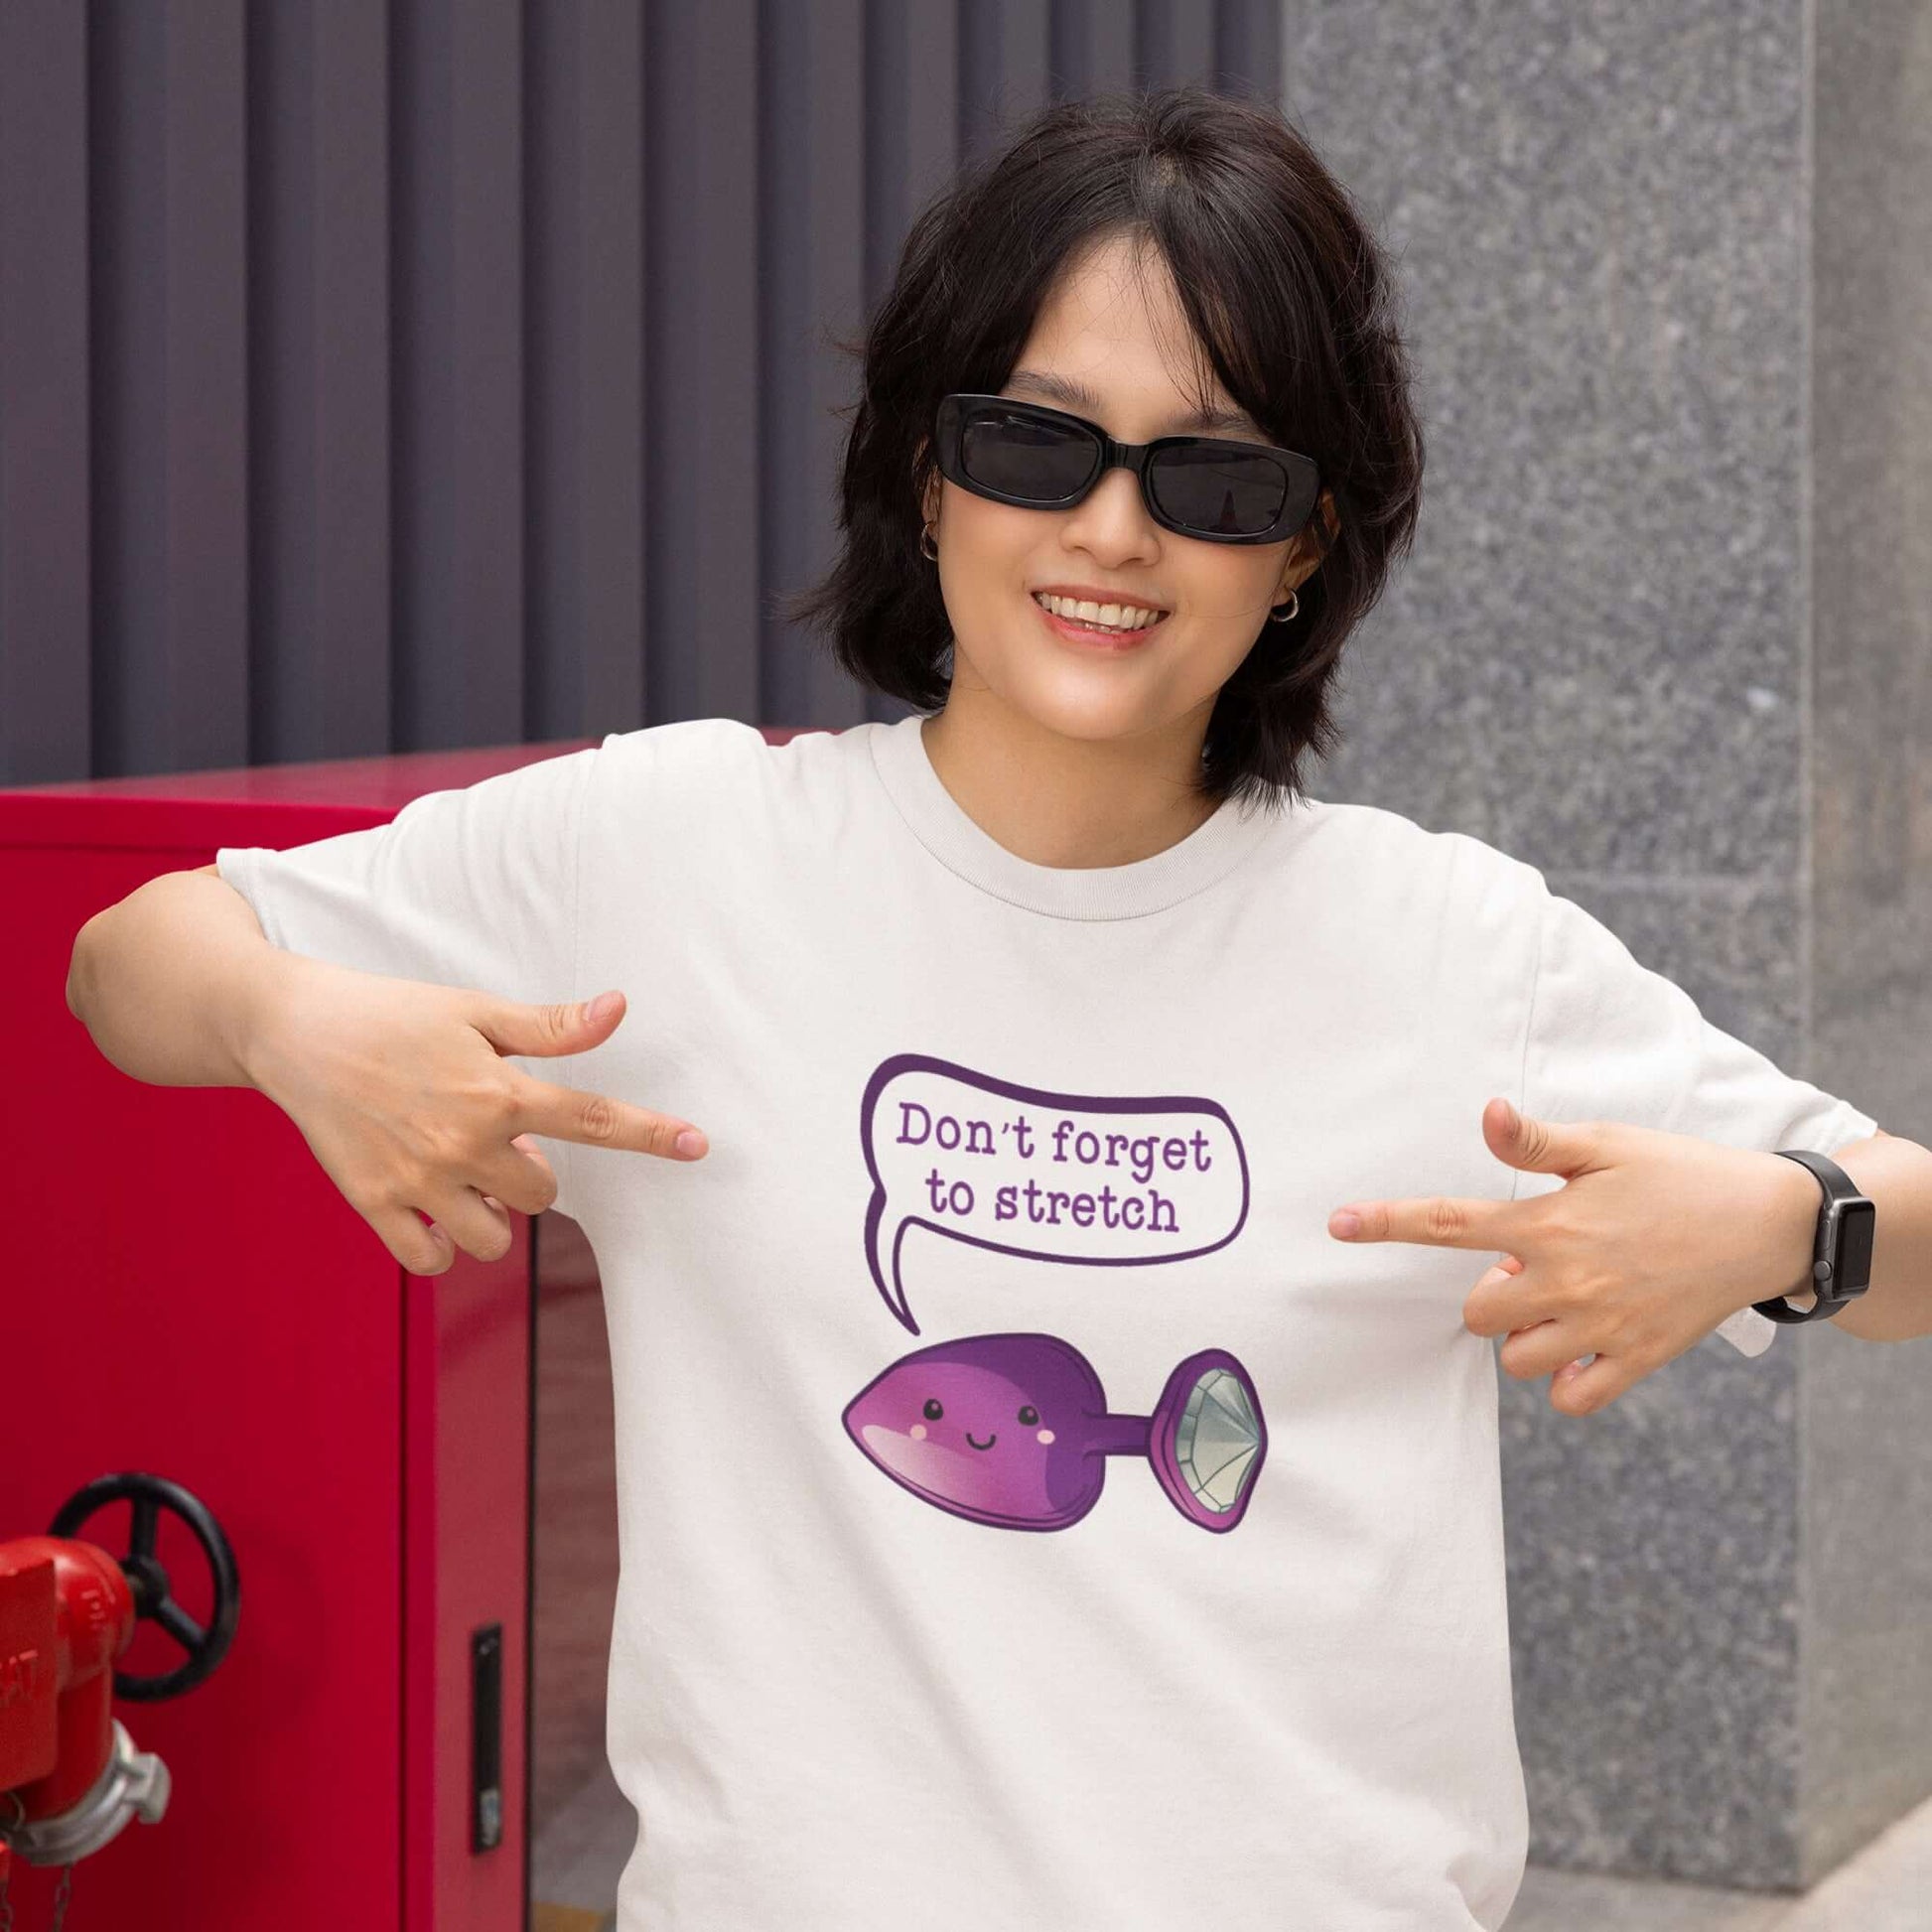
{"points": [[1667, 634]]}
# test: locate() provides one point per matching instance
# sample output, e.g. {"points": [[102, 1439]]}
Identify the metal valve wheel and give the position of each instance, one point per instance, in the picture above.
{"points": [[148, 1582]]}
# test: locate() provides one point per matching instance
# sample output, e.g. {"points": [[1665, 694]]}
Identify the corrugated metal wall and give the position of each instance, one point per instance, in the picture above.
{"points": [[439, 373]]}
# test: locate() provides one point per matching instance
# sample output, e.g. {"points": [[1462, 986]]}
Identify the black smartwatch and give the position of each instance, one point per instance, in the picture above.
{"points": [[1841, 1255]]}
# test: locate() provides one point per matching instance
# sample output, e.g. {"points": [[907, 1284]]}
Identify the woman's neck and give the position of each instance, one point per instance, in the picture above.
{"points": [[1065, 801]]}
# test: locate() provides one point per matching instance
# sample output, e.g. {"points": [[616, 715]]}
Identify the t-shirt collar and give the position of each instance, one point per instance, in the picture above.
{"points": [[958, 841]]}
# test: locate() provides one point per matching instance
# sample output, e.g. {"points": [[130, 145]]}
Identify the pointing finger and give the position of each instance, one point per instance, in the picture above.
{"points": [[595, 1120], [1437, 1222]]}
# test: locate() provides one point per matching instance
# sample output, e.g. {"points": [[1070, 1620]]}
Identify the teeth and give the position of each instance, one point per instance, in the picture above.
{"points": [[1104, 617]]}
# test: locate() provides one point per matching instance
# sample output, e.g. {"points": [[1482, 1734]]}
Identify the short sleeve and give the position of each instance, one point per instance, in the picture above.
{"points": [[1608, 1039], [474, 888]]}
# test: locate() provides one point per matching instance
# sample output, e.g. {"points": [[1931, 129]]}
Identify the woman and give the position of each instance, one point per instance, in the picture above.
{"points": [[1026, 1045]]}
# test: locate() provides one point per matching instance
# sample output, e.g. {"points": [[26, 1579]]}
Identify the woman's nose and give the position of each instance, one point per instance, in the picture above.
{"points": [[1113, 517]]}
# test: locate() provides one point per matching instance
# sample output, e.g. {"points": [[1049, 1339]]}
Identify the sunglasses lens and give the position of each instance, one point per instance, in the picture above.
{"points": [[1026, 457], [1219, 491], [1050, 465]]}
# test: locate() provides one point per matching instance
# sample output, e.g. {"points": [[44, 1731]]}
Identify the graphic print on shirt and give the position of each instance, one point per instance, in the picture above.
{"points": [[1012, 1430]]}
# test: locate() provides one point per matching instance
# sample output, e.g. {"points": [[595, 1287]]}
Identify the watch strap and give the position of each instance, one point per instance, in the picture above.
{"points": [[1835, 1186]]}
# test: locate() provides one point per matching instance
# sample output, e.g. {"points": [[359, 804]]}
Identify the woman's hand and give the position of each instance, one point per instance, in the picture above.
{"points": [[1655, 1240], [402, 1093]]}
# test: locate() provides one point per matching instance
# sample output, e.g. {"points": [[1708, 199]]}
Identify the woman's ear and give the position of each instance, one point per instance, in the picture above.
{"points": [[1305, 554], [929, 501], [1331, 522]]}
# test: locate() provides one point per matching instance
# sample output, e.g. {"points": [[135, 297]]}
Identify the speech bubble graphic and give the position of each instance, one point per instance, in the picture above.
{"points": [[1054, 1177]]}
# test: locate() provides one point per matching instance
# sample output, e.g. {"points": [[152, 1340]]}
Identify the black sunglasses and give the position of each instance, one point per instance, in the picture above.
{"points": [[1195, 486]]}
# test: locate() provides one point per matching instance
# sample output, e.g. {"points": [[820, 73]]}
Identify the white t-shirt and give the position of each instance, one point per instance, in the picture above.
{"points": [[1018, 1180]]}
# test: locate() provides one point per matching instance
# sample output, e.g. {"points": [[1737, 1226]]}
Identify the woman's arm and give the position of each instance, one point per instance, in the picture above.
{"points": [[169, 981], [1896, 1175]]}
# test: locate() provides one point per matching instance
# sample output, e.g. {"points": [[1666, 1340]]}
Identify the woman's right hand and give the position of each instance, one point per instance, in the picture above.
{"points": [[402, 1092]]}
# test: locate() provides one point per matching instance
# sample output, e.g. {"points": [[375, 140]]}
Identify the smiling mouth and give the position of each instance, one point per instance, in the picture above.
{"points": [[1092, 634], [986, 1444]]}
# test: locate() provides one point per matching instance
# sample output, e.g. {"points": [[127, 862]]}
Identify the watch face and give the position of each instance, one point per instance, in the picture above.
{"points": [[1857, 1222]]}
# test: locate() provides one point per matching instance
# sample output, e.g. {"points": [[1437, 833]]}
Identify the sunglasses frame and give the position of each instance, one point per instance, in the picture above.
{"points": [[1303, 476]]}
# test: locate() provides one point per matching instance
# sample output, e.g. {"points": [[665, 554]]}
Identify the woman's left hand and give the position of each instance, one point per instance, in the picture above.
{"points": [[1655, 1239]]}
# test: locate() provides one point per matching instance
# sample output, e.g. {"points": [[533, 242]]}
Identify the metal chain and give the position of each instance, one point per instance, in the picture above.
{"points": [[61, 1892]]}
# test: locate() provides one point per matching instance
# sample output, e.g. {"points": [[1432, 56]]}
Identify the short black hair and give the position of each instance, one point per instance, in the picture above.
{"points": [[1287, 292]]}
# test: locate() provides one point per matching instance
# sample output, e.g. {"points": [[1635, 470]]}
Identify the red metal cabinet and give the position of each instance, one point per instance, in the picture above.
{"points": [[186, 1293]]}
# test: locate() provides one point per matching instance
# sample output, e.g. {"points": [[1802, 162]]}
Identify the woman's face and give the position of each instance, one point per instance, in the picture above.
{"points": [[1126, 342]]}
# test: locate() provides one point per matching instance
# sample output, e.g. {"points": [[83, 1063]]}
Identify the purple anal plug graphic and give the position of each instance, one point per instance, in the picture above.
{"points": [[1014, 1431]]}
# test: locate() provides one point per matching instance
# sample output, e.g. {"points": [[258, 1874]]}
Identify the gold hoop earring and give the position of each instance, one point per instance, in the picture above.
{"points": [[931, 556], [1281, 613]]}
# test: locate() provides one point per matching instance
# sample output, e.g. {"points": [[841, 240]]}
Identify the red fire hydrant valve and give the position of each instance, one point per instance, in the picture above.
{"points": [[70, 1776]]}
